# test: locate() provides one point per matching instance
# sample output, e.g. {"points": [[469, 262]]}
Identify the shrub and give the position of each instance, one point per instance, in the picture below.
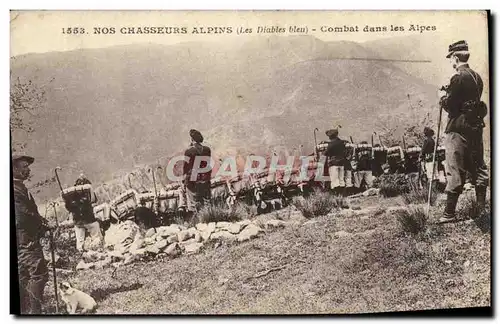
{"points": [[413, 219], [319, 204]]}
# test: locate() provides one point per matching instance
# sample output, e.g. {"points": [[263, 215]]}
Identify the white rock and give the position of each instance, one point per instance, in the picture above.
{"points": [[84, 266], [137, 244], [234, 228], [224, 235], [184, 235], [205, 236], [139, 252], [371, 192], [201, 226], [466, 264], [161, 245], [173, 249], [172, 239], [129, 259], [249, 232], [197, 237], [342, 234], [222, 225], [153, 249], [395, 209], [166, 231], [150, 232], [275, 223], [193, 247], [176, 227], [211, 227], [244, 223], [150, 240]]}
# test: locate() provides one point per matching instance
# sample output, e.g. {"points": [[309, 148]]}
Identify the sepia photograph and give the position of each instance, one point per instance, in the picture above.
{"points": [[247, 162]]}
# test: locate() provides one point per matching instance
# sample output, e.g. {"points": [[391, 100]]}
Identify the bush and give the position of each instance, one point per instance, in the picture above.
{"points": [[319, 204], [413, 219]]}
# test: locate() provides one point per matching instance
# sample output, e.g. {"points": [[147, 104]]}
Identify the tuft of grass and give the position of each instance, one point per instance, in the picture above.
{"points": [[319, 204], [392, 185], [469, 209], [223, 213], [413, 219], [417, 195]]}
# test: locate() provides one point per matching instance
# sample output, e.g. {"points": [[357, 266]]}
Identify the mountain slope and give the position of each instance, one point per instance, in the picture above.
{"points": [[111, 109]]}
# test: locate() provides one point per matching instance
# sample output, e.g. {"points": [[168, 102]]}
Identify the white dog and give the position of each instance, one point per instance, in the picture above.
{"points": [[76, 299]]}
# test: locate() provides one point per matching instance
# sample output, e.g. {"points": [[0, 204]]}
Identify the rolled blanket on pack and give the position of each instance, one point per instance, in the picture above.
{"points": [[102, 212], [76, 193], [125, 204]]}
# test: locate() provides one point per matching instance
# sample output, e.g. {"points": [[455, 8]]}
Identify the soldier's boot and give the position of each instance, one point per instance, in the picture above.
{"points": [[449, 210], [481, 199]]}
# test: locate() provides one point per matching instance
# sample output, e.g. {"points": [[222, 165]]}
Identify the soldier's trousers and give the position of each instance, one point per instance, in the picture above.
{"points": [[336, 173], [198, 194], [464, 156], [33, 275], [94, 232]]}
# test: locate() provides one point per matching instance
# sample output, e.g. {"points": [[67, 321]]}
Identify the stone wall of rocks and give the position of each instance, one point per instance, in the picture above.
{"points": [[129, 245]]}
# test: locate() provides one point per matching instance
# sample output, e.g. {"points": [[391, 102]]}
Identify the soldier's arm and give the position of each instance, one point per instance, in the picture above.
{"points": [[452, 102], [21, 210]]}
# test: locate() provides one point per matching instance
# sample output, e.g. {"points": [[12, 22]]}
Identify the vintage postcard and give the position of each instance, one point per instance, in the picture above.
{"points": [[250, 162]]}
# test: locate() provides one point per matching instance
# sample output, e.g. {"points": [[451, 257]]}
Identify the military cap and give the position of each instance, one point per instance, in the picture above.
{"points": [[428, 131], [332, 132], [457, 47], [196, 135], [19, 157], [363, 142]]}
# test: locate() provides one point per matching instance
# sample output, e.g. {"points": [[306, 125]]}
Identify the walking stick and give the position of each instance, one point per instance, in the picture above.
{"points": [[316, 143], [57, 177], [55, 213], [434, 161], [156, 193], [53, 257]]}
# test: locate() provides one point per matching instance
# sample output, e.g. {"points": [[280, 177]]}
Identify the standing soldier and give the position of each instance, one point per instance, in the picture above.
{"points": [[30, 228], [426, 156], [335, 152], [197, 191], [349, 169], [82, 217], [364, 156], [464, 139]]}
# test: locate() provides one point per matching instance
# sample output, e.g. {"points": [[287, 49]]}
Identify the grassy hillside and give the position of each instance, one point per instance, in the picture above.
{"points": [[357, 260]]}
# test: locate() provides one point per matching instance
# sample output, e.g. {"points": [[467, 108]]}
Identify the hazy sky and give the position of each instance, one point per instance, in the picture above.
{"points": [[41, 31]]}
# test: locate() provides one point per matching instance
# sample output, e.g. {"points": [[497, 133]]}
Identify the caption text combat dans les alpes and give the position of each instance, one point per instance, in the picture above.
{"points": [[134, 30]]}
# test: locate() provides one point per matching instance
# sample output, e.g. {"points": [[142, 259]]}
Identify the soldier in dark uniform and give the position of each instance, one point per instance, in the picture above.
{"points": [[30, 228], [335, 154], [427, 155], [197, 190], [464, 131]]}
